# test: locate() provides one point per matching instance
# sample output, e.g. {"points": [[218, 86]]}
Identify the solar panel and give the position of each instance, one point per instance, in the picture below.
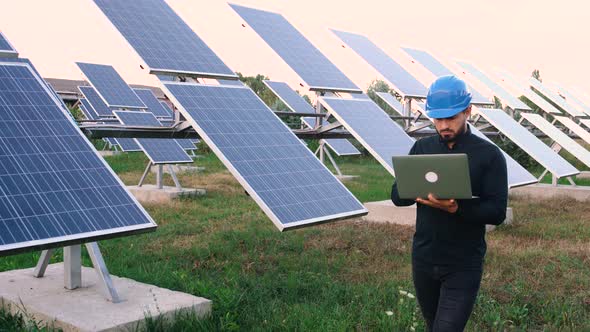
{"points": [[162, 39], [543, 154], [152, 103], [54, 187], [280, 173], [573, 111], [159, 150], [585, 122], [127, 144], [110, 86], [576, 128], [298, 52], [87, 110], [101, 109], [167, 108], [392, 102], [559, 137], [372, 127], [571, 97], [403, 81], [186, 143], [531, 95], [498, 91], [290, 97], [438, 69], [359, 96], [230, 82], [296, 103], [6, 49]]}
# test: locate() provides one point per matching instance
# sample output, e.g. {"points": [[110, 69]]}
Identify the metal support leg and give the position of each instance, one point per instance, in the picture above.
{"points": [[554, 180], [103, 273], [42, 263], [145, 173], [73, 267], [332, 161], [571, 181], [174, 178], [407, 112], [322, 150], [317, 150], [542, 175], [160, 177]]}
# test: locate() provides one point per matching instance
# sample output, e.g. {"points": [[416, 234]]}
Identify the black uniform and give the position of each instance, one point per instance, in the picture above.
{"points": [[449, 248]]}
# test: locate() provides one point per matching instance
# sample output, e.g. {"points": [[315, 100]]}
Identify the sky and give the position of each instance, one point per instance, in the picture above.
{"points": [[516, 35]]}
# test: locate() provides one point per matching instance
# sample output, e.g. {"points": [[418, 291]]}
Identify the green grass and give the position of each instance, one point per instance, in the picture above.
{"points": [[341, 276]]}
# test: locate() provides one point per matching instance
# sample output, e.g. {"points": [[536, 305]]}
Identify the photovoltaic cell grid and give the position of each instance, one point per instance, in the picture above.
{"points": [[127, 144], [87, 110], [296, 103], [359, 96], [99, 106], [403, 81], [392, 102], [557, 99], [6, 49], [372, 127], [559, 137], [186, 143], [54, 188], [529, 142], [110, 86], [162, 39], [438, 69], [499, 91], [159, 150], [298, 52], [152, 103], [280, 173]]}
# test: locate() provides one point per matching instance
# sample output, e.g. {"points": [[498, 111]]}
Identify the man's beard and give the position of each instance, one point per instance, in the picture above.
{"points": [[452, 138]]}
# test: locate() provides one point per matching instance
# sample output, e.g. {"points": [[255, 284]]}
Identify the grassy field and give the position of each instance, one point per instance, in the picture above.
{"points": [[350, 275]]}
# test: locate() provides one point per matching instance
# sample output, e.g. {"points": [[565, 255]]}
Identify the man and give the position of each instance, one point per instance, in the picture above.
{"points": [[449, 243]]}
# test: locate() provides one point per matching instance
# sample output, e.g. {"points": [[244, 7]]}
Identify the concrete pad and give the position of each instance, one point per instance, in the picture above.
{"points": [[149, 193], [344, 178], [386, 211], [583, 175], [109, 153], [544, 191], [178, 169], [86, 309]]}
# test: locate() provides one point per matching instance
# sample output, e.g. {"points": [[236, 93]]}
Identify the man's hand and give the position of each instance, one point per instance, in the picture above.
{"points": [[448, 205]]}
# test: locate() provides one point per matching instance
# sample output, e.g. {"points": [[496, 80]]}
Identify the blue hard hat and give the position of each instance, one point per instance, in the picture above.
{"points": [[447, 96]]}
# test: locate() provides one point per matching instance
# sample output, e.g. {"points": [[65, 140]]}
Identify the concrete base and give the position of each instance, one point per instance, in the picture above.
{"points": [[178, 169], [109, 153], [149, 193], [544, 191], [583, 175], [86, 309], [386, 211], [344, 178]]}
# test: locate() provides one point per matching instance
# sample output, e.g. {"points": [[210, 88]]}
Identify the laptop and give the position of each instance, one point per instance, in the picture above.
{"points": [[446, 176]]}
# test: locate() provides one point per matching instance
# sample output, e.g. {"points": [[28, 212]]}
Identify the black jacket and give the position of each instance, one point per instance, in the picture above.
{"points": [[458, 239]]}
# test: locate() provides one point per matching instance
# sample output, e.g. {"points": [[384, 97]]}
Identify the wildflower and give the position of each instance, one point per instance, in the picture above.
{"points": [[389, 313], [402, 292], [410, 295]]}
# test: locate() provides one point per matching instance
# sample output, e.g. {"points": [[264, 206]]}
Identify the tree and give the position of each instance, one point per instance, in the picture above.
{"points": [[536, 75]]}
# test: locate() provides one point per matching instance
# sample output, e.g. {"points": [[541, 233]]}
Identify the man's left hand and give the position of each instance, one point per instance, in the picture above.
{"points": [[448, 205]]}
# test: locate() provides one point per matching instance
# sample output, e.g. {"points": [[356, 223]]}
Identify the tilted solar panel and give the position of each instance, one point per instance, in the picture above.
{"points": [[536, 99], [392, 102], [573, 99], [152, 103], [576, 128], [372, 127], [438, 69], [557, 99], [498, 91], [162, 39], [159, 150], [543, 154], [110, 86], [559, 137], [300, 54], [6, 49], [99, 106], [280, 173], [55, 189], [395, 74], [87, 110]]}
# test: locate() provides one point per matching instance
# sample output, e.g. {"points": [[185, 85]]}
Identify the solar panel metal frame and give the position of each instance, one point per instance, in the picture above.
{"points": [[531, 95], [68, 240], [573, 126], [314, 56], [98, 105], [539, 158], [146, 148], [297, 104], [7, 53], [556, 98], [87, 109], [585, 122], [114, 79], [385, 65], [391, 102], [260, 202], [567, 94], [386, 163], [181, 29], [498, 90], [560, 138], [438, 69], [152, 103]]}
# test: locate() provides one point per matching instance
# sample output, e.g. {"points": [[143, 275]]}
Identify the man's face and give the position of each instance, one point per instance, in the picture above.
{"points": [[449, 128]]}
